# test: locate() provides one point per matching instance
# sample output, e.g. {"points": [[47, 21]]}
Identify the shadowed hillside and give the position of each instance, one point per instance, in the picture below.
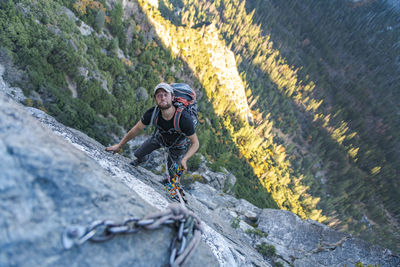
{"points": [[325, 78]]}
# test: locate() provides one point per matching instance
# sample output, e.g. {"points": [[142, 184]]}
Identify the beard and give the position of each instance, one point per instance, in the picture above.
{"points": [[165, 106]]}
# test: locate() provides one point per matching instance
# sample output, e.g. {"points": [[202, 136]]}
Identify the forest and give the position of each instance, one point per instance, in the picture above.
{"points": [[42, 48], [318, 132], [327, 85]]}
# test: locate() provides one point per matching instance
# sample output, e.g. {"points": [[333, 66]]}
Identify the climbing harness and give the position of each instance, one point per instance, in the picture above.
{"points": [[182, 246]]}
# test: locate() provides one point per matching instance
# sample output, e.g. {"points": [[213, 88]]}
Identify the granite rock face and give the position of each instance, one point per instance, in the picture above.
{"points": [[309, 243], [46, 185], [54, 177], [297, 242], [229, 247], [222, 181]]}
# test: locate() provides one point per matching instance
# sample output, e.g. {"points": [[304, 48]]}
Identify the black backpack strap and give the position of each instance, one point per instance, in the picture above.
{"points": [[153, 120], [177, 118], [154, 117]]}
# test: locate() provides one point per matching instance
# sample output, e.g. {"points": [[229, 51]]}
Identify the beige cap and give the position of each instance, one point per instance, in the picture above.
{"points": [[165, 86]]}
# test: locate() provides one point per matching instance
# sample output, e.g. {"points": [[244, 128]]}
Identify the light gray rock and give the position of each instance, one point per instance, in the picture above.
{"points": [[14, 92], [46, 184], [104, 83], [247, 209], [205, 194], [25, 10], [141, 94], [10, 73], [223, 181], [211, 197], [85, 29], [68, 13], [83, 72], [309, 243], [72, 43], [245, 226], [129, 32], [229, 182]]}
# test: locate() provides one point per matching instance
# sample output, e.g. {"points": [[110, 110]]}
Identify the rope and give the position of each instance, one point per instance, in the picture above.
{"points": [[177, 191]]}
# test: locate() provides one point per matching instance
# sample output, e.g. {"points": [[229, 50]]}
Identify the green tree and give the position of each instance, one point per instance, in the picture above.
{"points": [[100, 20]]}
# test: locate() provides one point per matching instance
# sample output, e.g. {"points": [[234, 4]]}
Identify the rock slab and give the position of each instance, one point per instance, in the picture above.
{"points": [[309, 243], [46, 185]]}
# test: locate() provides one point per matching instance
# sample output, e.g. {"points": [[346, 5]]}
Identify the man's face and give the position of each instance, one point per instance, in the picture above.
{"points": [[163, 99]]}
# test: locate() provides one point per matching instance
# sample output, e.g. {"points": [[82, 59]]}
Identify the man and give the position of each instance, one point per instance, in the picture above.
{"points": [[181, 145]]}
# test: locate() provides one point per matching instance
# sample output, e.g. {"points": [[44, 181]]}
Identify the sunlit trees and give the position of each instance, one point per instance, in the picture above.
{"points": [[255, 143], [315, 91]]}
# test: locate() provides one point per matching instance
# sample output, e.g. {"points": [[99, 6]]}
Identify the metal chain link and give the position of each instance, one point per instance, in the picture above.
{"points": [[182, 246]]}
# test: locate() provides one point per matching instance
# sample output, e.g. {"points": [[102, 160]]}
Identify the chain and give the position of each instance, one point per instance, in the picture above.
{"points": [[182, 246]]}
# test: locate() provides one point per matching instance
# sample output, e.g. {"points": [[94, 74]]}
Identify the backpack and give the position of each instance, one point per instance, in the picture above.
{"points": [[184, 98]]}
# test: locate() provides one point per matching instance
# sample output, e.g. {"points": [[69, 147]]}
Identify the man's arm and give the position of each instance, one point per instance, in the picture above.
{"points": [[131, 134], [194, 146]]}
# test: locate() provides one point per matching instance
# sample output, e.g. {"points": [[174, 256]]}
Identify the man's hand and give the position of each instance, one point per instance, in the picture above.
{"points": [[194, 146], [184, 164], [139, 126], [114, 149]]}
